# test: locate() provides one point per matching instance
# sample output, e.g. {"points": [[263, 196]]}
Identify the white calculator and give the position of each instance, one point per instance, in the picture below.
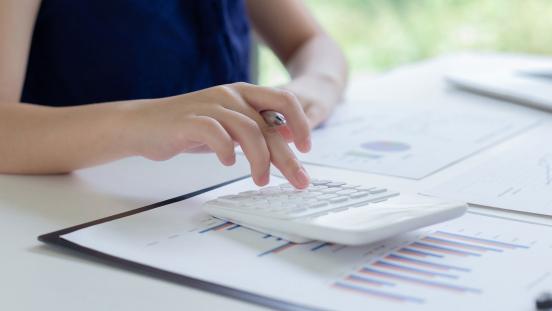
{"points": [[332, 211]]}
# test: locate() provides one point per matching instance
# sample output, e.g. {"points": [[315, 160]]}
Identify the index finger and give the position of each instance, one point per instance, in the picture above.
{"points": [[267, 98]]}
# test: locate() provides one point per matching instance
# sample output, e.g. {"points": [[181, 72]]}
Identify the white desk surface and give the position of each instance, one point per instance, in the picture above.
{"points": [[39, 277]]}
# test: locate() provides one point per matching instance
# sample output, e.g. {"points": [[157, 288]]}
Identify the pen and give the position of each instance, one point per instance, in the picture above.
{"points": [[273, 118]]}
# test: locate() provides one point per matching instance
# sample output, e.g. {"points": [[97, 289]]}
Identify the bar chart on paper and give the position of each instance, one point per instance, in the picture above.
{"points": [[440, 264], [410, 141], [457, 265]]}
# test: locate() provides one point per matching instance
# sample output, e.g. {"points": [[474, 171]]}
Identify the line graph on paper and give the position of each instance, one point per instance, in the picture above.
{"points": [[268, 244], [520, 179]]}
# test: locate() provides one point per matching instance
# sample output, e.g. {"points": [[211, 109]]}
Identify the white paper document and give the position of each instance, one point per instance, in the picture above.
{"points": [[411, 140], [476, 262], [519, 179]]}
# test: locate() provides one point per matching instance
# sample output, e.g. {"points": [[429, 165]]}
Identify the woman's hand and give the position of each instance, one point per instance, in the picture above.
{"points": [[219, 117]]}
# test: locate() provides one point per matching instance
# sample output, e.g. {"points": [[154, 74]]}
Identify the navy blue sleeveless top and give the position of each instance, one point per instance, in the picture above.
{"points": [[89, 51]]}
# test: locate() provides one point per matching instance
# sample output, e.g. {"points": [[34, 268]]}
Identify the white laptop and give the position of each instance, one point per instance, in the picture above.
{"points": [[530, 86]]}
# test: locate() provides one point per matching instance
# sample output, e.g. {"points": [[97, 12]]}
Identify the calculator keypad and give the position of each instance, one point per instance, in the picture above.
{"points": [[286, 202]]}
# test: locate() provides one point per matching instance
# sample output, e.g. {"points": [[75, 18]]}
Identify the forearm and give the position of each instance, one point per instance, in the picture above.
{"points": [[316, 64], [43, 140], [319, 76], [321, 60]]}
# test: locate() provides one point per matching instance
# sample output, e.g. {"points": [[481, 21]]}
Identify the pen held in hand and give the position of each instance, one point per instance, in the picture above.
{"points": [[273, 118]]}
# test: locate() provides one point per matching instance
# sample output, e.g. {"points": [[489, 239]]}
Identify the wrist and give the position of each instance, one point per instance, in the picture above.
{"points": [[128, 126], [318, 87], [327, 81]]}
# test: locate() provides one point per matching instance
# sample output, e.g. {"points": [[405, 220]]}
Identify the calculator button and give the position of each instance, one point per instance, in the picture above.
{"points": [[326, 197], [297, 210], [318, 187], [286, 186], [318, 182], [377, 190], [376, 199], [346, 192], [338, 199], [359, 194], [329, 190], [350, 186], [317, 204], [310, 195], [270, 190]]}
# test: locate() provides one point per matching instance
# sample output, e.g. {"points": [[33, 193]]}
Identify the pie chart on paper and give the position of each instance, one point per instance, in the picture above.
{"points": [[386, 146]]}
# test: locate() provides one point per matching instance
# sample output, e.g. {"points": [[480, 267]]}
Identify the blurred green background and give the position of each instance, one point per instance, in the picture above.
{"points": [[380, 34]]}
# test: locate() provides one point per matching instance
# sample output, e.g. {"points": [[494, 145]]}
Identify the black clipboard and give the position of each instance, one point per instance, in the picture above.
{"points": [[54, 238]]}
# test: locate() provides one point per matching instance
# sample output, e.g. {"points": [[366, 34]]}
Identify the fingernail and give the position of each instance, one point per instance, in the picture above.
{"points": [[265, 178], [308, 144], [302, 177], [229, 160], [305, 146]]}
